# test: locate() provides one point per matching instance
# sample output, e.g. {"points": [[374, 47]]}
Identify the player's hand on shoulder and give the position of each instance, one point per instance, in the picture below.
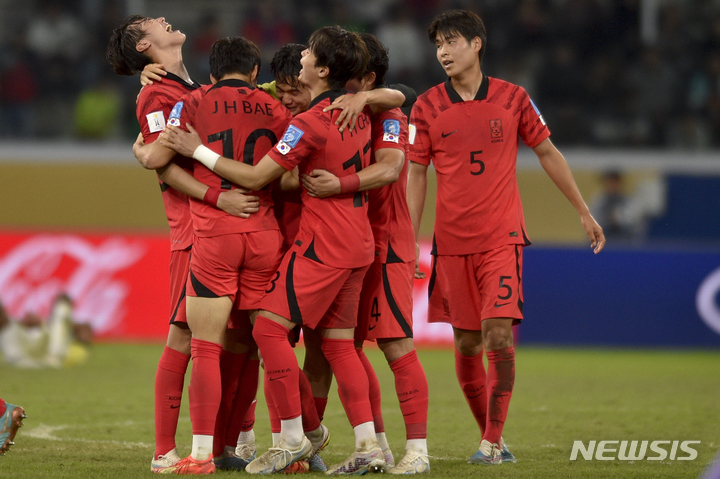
{"points": [[151, 73], [321, 184], [183, 142], [351, 105], [237, 202], [594, 232]]}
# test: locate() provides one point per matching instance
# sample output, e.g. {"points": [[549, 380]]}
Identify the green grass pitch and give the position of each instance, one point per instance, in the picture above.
{"points": [[96, 420]]}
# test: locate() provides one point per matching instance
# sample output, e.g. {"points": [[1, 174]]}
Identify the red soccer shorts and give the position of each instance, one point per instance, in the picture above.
{"points": [[179, 269], [464, 290], [386, 302], [235, 265], [313, 294]]}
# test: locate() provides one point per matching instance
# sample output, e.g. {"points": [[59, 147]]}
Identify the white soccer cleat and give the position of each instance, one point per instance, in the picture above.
{"points": [[389, 459], [246, 451], [279, 457], [367, 458], [413, 462], [488, 454], [164, 461]]}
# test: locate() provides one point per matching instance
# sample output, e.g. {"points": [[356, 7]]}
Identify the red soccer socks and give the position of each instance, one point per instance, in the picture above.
{"points": [[412, 392], [169, 381]]}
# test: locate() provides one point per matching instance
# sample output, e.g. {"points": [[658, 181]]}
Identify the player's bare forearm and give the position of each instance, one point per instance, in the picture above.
{"points": [[416, 191], [251, 177], [386, 169], [151, 156], [290, 180], [383, 99], [559, 172], [182, 181]]}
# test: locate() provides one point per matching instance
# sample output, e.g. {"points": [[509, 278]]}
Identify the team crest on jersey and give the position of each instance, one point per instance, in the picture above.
{"points": [[391, 130], [542, 120], [174, 119], [496, 130], [156, 121]]}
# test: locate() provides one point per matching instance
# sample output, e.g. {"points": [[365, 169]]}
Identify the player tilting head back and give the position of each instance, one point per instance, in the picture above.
{"points": [[136, 43], [469, 127], [319, 279]]}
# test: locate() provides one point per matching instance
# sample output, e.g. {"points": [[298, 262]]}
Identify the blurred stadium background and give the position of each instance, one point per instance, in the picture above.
{"points": [[629, 88]]}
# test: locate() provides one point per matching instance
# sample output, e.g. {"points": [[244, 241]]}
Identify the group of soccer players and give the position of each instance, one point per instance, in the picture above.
{"points": [[251, 264]]}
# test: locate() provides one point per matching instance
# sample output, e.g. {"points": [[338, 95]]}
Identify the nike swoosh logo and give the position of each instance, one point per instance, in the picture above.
{"points": [[476, 396], [445, 135], [174, 407], [405, 400], [500, 305], [280, 377], [370, 328]]}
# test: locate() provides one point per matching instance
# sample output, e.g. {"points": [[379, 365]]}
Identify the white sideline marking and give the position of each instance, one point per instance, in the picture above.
{"points": [[48, 433]]}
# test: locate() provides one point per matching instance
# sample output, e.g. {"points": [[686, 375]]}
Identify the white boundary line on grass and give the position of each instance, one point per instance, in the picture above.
{"points": [[48, 433]]}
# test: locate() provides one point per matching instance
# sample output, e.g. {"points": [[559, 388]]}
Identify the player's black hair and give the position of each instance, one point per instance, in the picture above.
{"points": [[342, 52], [379, 61], [285, 65], [121, 52], [459, 22], [233, 55]]}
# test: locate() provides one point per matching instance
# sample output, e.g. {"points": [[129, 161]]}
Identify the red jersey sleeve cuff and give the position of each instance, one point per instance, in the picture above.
{"points": [[280, 159]]}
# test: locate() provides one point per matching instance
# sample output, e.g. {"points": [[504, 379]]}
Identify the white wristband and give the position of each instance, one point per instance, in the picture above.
{"points": [[206, 156]]}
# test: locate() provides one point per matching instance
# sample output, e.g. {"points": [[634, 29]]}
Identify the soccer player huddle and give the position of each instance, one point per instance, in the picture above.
{"points": [[296, 205]]}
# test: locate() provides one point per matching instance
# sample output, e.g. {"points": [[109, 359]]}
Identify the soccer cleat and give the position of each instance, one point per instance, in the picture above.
{"points": [[316, 464], [189, 467], [413, 462], [10, 422], [507, 456], [322, 441], [367, 458], [229, 461], [247, 452], [166, 460], [279, 457], [389, 459], [488, 454], [297, 467]]}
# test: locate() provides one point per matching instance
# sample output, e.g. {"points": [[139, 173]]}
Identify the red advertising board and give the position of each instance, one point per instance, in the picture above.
{"points": [[119, 282]]}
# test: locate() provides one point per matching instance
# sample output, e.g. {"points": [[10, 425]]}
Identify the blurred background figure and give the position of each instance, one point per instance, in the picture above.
{"points": [[32, 343], [624, 216]]}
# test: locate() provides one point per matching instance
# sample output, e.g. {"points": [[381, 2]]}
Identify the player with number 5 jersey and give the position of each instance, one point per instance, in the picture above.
{"points": [[469, 127]]}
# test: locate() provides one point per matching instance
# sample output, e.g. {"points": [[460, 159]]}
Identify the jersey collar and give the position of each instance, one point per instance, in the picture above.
{"points": [[192, 84], [232, 82], [480, 95], [332, 94]]}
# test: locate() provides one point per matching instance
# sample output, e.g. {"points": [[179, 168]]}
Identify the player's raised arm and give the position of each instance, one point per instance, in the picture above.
{"points": [[252, 177], [386, 169], [554, 164], [378, 99]]}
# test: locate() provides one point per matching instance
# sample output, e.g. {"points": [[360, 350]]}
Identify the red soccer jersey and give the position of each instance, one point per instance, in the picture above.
{"points": [[239, 122], [153, 107], [334, 230], [473, 146], [387, 206]]}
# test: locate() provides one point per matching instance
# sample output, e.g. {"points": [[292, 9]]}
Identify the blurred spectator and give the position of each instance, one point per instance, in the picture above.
{"points": [[405, 44], [98, 110], [623, 216], [55, 36], [209, 31], [18, 88], [266, 26]]}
